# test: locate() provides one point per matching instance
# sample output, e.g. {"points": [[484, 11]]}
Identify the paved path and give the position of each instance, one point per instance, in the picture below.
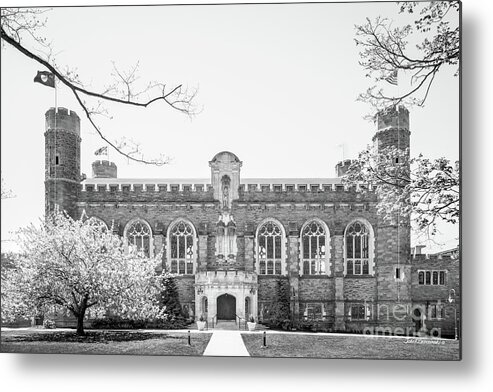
{"points": [[226, 344]]}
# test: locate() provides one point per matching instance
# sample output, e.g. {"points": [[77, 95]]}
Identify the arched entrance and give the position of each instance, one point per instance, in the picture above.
{"points": [[226, 307]]}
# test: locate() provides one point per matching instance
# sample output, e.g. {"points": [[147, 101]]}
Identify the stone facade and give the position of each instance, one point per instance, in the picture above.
{"points": [[230, 239], [438, 304]]}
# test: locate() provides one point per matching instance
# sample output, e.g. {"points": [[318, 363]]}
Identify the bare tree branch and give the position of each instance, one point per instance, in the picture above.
{"points": [[384, 50], [16, 22]]}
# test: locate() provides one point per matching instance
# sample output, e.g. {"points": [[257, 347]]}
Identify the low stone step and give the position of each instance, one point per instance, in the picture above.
{"points": [[226, 325]]}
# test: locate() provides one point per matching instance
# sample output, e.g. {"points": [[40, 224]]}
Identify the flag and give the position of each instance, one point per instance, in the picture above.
{"points": [[392, 78], [46, 78], [101, 151]]}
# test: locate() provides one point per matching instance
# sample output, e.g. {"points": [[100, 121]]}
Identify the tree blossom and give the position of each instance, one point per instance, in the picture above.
{"points": [[79, 265]]}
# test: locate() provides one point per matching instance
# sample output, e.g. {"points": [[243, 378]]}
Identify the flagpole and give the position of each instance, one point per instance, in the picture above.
{"points": [[342, 146], [56, 103], [55, 143]]}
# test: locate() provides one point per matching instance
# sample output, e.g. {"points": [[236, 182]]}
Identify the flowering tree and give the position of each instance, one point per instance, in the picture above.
{"points": [[6, 192], [422, 189], [79, 265]]}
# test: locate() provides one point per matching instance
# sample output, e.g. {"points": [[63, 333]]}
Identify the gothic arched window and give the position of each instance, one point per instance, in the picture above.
{"points": [[182, 248], [205, 305], [97, 223], [314, 247], [270, 248], [139, 237], [358, 253]]}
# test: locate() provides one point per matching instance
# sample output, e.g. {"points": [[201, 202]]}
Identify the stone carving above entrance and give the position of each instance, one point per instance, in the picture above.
{"points": [[226, 247], [226, 199]]}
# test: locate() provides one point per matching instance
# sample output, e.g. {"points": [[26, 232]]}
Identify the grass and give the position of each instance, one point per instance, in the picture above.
{"points": [[41, 341], [296, 345]]}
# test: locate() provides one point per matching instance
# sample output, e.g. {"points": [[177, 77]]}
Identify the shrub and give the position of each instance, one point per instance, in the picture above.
{"points": [[306, 325], [49, 324], [121, 323], [280, 311], [286, 324]]}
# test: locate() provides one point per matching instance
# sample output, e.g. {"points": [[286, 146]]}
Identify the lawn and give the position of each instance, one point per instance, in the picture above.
{"points": [[349, 346], [103, 342]]}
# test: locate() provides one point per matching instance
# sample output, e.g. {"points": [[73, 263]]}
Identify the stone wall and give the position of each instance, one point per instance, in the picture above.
{"points": [[266, 288], [360, 289], [186, 292], [313, 288]]}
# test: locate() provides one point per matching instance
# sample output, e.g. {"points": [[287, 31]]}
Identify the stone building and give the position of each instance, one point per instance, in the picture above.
{"points": [[230, 239]]}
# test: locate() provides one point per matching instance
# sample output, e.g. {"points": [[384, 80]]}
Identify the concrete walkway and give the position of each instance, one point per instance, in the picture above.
{"points": [[226, 344]]}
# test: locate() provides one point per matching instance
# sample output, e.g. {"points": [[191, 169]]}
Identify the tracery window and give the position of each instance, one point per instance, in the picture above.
{"points": [[358, 249], [269, 250], [314, 242], [181, 243], [138, 235]]}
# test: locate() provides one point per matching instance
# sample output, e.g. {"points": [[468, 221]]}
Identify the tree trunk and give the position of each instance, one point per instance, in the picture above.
{"points": [[80, 322]]}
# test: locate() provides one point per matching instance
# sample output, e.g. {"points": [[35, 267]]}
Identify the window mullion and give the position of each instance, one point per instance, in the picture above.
{"points": [[310, 253], [274, 250]]}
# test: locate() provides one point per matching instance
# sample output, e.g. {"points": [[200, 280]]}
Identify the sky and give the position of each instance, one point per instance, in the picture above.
{"points": [[277, 86]]}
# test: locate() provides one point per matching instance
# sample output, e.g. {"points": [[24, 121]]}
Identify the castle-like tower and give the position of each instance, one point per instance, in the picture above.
{"points": [[393, 248], [62, 160], [104, 169]]}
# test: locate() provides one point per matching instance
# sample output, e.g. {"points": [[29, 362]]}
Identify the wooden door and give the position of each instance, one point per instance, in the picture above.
{"points": [[226, 307]]}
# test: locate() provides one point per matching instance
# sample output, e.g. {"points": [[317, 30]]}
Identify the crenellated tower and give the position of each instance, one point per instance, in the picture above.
{"points": [[62, 160], [342, 167], [393, 262], [392, 128], [104, 169]]}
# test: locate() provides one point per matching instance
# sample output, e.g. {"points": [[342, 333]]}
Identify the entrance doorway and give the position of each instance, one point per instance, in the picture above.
{"points": [[226, 307]]}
